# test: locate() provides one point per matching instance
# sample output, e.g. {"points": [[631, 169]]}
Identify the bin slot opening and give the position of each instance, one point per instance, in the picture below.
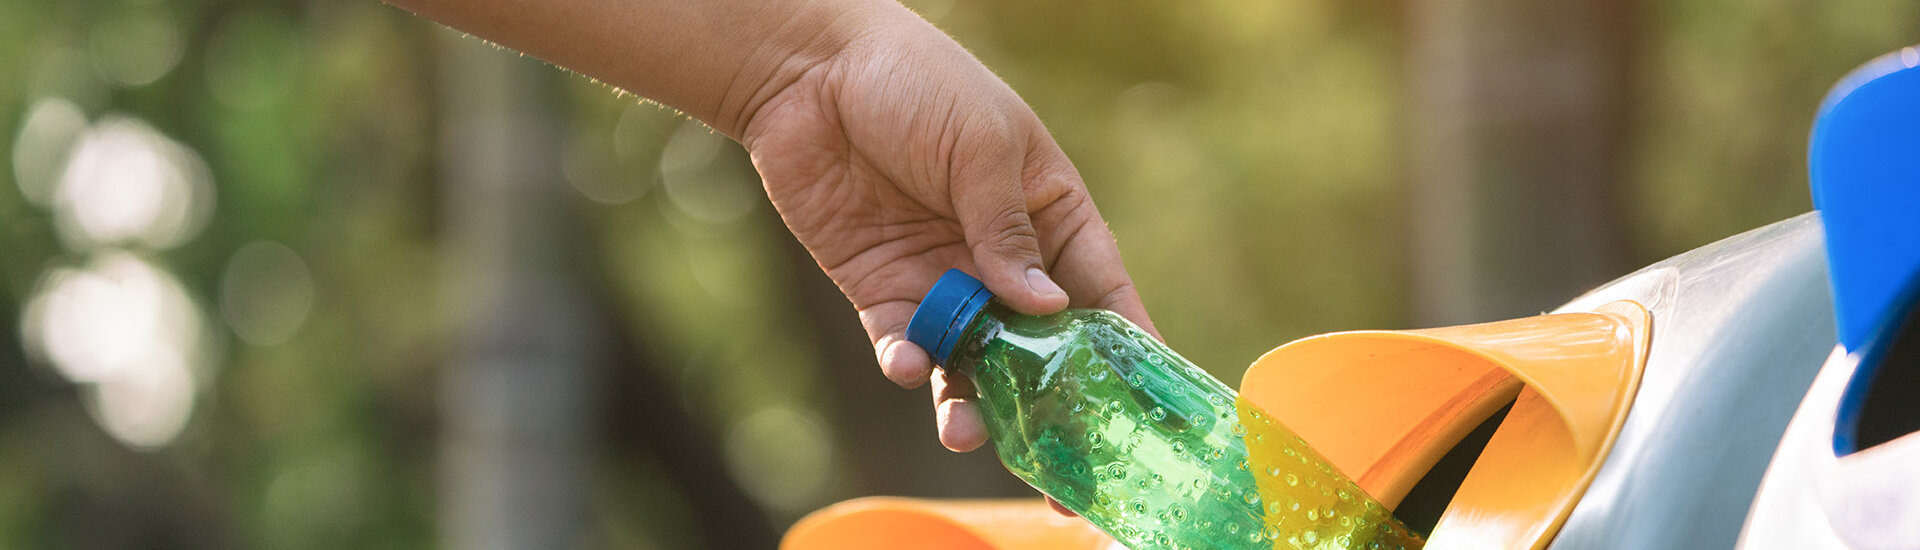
{"points": [[1429, 497]]}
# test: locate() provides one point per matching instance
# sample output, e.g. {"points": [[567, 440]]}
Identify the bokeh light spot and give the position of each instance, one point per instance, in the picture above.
{"points": [[587, 165], [702, 177], [40, 150], [127, 183], [136, 48], [145, 407], [641, 132], [266, 293], [115, 314], [130, 331], [782, 457]]}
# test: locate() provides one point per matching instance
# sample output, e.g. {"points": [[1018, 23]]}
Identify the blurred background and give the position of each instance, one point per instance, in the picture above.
{"points": [[321, 274]]}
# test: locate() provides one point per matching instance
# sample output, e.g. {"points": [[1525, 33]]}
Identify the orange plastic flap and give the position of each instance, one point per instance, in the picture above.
{"points": [[890, 523], [1385, 405]]}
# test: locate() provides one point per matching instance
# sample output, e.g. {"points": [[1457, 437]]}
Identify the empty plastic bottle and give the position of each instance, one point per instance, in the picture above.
{"points": [[1092, 411]]}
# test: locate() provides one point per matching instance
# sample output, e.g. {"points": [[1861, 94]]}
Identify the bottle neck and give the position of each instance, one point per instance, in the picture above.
{"points": [[970, 335]]}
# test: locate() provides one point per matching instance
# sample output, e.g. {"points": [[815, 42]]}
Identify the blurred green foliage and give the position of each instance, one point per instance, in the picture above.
{"points": [[1246, 153]]}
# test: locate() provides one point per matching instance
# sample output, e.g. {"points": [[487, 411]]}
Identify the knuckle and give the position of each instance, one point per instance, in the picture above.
{"points": [[982, 141], [1120, 294], [1011, 234], [1074, 200]]}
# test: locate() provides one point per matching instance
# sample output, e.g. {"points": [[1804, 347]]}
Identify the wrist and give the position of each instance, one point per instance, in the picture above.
{"points": [[800, 37], [838, 30]]}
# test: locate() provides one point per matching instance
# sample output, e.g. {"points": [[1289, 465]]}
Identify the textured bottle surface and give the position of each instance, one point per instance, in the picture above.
{"points": [[1100, 416]]}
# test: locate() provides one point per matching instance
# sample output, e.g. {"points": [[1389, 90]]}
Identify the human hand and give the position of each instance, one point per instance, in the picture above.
{"points": [[890, 151], [901, 156]]}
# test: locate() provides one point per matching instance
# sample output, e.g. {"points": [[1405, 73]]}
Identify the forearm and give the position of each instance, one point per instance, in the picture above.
{"points": [[716, 60]]}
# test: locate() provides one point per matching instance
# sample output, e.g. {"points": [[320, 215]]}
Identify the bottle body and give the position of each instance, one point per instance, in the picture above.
{"points": [[1090, 410]]}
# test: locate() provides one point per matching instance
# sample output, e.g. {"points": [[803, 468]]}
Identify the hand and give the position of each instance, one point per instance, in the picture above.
{"points": [[891, 153], [901, 156]]}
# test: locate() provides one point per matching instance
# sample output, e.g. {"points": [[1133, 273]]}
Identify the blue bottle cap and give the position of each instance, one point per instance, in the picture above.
{"points": [[946, 311]]}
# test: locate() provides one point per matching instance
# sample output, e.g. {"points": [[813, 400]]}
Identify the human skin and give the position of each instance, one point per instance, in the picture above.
{"points": [[889, 151]]}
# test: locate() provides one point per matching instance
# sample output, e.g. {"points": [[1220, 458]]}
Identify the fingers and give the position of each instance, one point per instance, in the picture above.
{"points": [[1087, 260], [1060, 508], [901, 361], [990, 201], [956, 414]]}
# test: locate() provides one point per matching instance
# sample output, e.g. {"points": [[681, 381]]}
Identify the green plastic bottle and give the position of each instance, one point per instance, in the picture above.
{"points": [[1092, 411]]}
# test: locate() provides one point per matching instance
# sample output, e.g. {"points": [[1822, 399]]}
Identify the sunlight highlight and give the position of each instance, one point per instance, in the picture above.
{"points": [[128, 331], [126, 183]]}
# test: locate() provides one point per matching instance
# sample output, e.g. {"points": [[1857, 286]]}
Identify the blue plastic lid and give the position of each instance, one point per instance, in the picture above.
{"points": [[946, 311]]}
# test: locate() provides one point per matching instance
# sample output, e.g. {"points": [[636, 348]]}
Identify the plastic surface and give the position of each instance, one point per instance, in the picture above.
{"points": [[1390, 403], [945, 311], [1740, 329], [1819, 493], [1864, 163], [1813, 499], [1094, 412], [887, 523]]}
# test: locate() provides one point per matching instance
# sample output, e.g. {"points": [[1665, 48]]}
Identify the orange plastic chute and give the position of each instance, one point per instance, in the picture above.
{"points": [[1383, 406], [890, 523]]}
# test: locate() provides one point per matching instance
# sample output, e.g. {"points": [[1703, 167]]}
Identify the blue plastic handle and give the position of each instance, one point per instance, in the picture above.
{"points": [[1864, 160]]}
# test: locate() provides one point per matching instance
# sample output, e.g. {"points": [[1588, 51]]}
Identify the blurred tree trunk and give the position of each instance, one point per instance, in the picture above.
{"points": [[515, 400], [1517, 114]]}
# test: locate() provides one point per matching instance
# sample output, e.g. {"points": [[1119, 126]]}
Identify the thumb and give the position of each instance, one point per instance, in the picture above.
{"points": [[992, 207]]}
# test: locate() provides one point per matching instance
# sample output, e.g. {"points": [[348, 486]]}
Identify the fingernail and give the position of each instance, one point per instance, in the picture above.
{"points": [[1040, 283]]}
